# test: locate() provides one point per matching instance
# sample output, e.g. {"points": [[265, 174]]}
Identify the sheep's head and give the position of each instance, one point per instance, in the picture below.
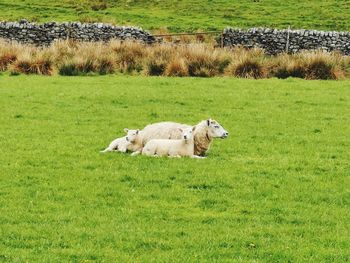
{"points": [[187, 134], [131, 135], [215, 130]]}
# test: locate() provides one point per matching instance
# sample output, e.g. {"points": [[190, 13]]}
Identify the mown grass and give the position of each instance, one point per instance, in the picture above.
{"points": [[276, 190], [187, 15]]}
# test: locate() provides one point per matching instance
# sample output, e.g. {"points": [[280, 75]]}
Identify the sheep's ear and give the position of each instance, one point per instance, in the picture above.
{"points": [[208, 122], [193, 128], [126, 129], [137, 131]]}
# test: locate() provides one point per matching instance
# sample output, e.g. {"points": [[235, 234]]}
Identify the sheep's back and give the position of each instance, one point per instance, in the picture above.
{"points": [[162, 130]]}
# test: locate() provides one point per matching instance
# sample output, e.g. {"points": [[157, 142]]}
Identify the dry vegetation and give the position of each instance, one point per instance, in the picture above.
{"points": [[193, 59]]}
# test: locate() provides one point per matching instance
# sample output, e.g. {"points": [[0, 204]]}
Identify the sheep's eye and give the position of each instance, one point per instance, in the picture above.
{"points": [[216, 126]]}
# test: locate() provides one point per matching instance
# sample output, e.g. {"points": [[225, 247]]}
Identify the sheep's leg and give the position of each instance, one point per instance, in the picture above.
{"points": [[174, 156], [197, 157], [106, 150], [122, 149], [148, 152], [135, 153]]}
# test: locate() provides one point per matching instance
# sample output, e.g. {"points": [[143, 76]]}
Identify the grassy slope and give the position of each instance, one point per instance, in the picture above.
{"points": [[276, 190], [188, 15]]}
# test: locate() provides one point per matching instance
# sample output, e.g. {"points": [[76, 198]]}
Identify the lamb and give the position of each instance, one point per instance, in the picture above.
{"points": [[130, 142], [172, 148], [204, 133]]}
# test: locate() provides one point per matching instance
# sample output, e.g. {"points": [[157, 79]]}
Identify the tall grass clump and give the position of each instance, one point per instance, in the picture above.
{"points": [[177, 67], [284, 66], [321, 65], [156, 59], [247, 64], [33, 61], [129, 55], [87, 58], [195, 59], [204, 61], [8, 54]]}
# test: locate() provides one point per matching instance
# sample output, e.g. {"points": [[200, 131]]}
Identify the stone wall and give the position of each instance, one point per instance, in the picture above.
{"points": [[276, 41], [45, 34]]}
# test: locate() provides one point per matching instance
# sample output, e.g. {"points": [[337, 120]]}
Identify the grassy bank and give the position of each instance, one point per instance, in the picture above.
{"points": [[187, 15]]}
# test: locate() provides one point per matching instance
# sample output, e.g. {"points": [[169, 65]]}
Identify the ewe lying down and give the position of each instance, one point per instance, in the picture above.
{"points": [[172, 148], [204, 133]]}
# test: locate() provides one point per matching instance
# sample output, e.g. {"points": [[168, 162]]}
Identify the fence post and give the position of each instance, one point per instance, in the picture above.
{"points": [[287, 44], [222, 39]]}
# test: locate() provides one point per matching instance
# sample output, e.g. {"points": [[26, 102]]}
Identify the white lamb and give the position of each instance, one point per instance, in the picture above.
{"points": [[172, 148], [129, 142]]}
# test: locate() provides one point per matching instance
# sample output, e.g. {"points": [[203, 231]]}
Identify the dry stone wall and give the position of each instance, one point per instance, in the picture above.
{"points": [[272, 40], [276, 41], [45, 34]]}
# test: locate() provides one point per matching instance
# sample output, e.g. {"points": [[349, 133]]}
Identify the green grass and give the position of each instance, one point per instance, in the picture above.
{"points": [[189, 15], [277, 190]]}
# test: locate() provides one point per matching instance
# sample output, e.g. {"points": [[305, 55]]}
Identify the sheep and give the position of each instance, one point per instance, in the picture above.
{"points": [[204, 133], [130, 142], [172, 148]]}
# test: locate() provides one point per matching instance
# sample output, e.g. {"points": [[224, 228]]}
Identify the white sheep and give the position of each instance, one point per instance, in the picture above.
{"points": [[204, 133], [172, 148], [130, 142]]}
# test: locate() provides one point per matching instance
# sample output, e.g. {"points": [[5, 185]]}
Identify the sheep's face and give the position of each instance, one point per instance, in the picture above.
{"points": [[187, 134], [215, 130], [131, 135]]}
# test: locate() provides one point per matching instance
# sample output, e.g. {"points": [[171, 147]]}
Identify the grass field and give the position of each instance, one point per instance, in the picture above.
{"points": [[188, 15], [277, 190]]}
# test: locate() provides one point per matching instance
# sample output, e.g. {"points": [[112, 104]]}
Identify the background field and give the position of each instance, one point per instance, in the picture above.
{"points": [[187, 15], [276, 190]]}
